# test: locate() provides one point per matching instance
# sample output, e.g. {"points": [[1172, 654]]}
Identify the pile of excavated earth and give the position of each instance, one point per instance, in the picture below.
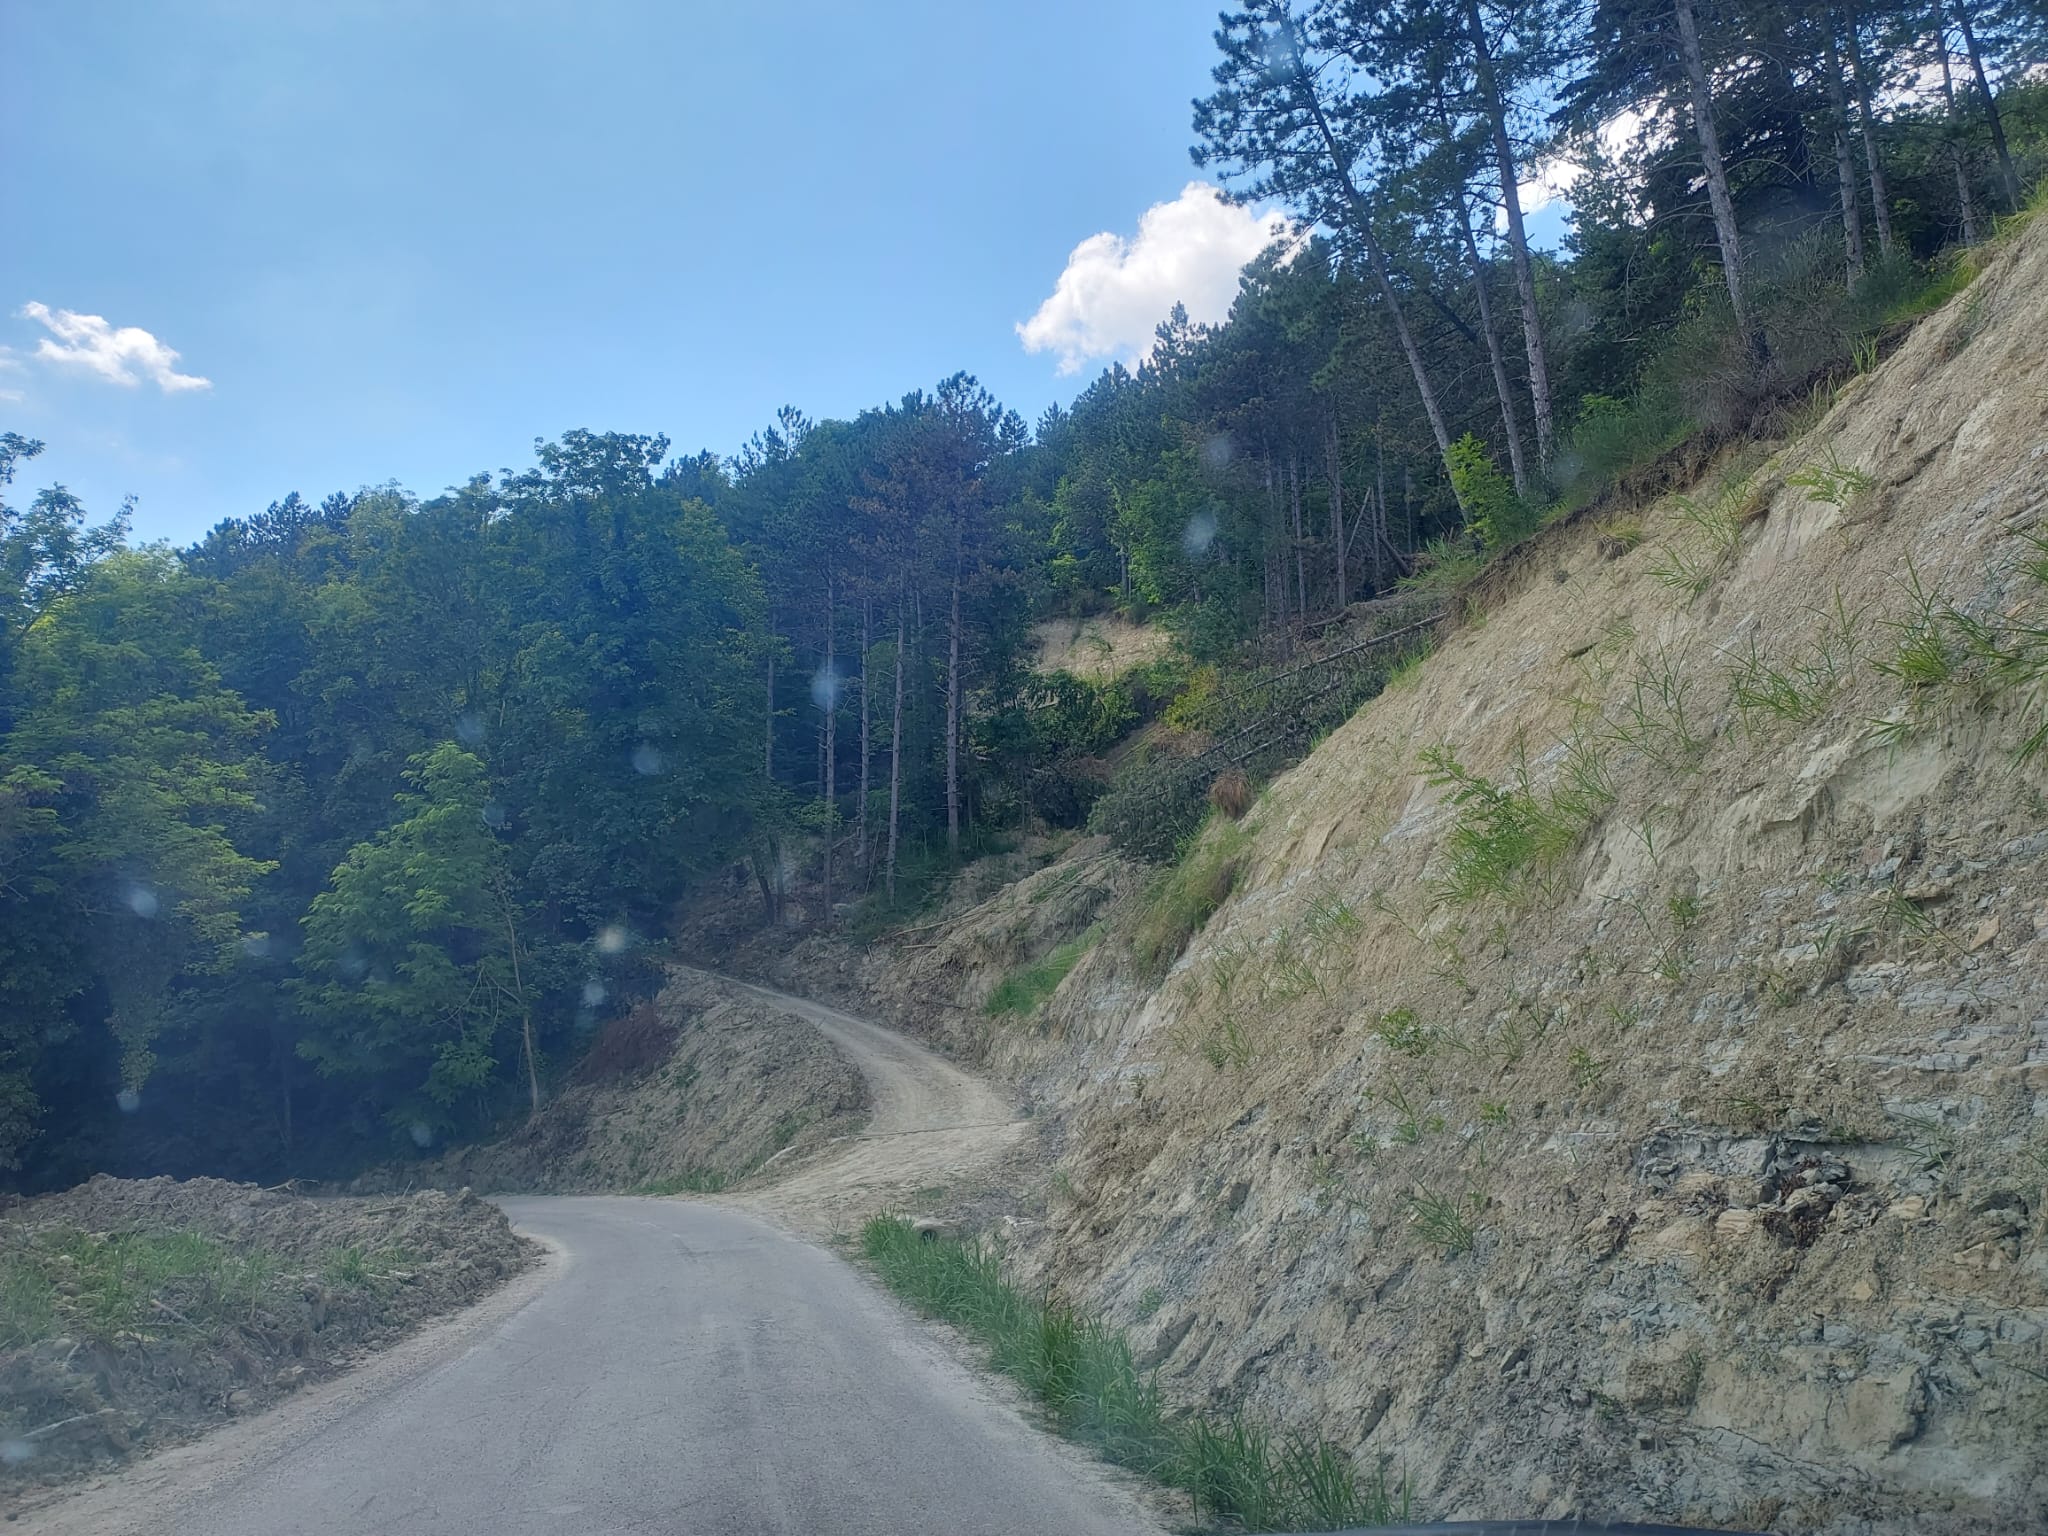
{"points": [[136, 1313]]}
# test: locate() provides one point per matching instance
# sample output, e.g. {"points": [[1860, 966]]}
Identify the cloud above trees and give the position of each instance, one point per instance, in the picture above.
{"points": [[1115, 290]]}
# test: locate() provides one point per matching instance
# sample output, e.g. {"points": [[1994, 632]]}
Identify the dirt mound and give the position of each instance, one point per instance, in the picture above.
{"points": [[134, 1313], [706, 1086]]}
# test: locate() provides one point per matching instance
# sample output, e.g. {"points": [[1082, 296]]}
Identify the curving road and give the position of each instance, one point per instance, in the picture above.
{"points": [[932, 1125], [675, 1367]]}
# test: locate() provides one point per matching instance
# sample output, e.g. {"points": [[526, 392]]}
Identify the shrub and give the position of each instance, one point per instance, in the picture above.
{"points": [[1492, 509]]}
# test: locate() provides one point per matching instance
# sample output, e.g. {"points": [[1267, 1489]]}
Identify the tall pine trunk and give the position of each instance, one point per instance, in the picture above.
{"points": [[1376, 257], [867, 649], [768, 728], [1845, 167], [1518, 236], [1880, 199], [1334, 455], [896, 754], [1725, 232], [953, 715], [1300, 555], [2006, 172], [831, 739], [1502, 388], [1966, 198]]}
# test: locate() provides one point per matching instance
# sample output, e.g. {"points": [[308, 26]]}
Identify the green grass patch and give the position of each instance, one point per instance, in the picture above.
{"points": [[99, 1286], [1082, 1372], [1187, 895], [1024, 991]]}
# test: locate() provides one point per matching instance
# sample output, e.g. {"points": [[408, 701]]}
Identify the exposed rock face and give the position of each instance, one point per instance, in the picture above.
{"points": [[1698, 1171]]}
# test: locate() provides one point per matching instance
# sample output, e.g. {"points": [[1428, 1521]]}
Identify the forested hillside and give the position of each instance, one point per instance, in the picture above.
{"points": [[337, 834]]}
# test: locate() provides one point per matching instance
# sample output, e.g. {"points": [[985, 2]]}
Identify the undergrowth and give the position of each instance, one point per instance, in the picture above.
{"points": [[1082, 1372]]}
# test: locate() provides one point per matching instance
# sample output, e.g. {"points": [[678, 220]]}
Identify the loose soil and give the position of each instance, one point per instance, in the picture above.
{"points": [[139, 1313]]}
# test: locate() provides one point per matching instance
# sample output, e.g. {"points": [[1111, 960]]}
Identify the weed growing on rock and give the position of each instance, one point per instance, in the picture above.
{"points": [[1709, 538], [1830, 482], [1446, 1222], [1508, 839]]}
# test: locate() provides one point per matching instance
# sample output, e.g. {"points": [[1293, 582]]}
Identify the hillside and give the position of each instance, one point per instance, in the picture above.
{"points": [[1615, 1078]]}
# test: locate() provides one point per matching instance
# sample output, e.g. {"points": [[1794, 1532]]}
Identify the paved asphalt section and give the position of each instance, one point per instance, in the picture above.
{"points": [[678, 1367]]}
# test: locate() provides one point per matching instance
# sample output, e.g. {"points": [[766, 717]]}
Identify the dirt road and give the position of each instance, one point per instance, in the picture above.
{"points": [[932, 1125]]}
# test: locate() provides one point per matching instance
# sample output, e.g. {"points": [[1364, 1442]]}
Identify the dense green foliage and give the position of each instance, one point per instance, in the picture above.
{"points": [[333, 835], [1082, 1372]]}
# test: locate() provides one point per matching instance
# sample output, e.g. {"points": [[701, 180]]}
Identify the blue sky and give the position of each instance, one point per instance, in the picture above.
{"points": [[401, 241]]}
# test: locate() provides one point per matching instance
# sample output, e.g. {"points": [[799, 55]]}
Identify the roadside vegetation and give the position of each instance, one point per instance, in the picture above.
{"points": [[1083, 1374]]}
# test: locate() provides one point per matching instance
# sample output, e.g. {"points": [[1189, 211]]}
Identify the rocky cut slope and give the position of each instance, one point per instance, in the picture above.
{"points": [[1617, 1081]]}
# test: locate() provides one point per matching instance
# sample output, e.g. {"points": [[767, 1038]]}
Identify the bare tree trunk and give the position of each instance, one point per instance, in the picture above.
{"points": [[953, 717], [1845, 169], [896, 752], [867, 647], [1965, 197], [525, 1014], [768, 730], [1725, 231], [831, 739], [2005, 169], [1880, 200], [1335, 472], [1518, 237], [1501, 386], [1379, 511], [1300, 556]]}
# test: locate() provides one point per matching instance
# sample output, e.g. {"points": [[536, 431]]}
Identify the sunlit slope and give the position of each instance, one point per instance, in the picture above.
{"points": [[1618, 1081]]}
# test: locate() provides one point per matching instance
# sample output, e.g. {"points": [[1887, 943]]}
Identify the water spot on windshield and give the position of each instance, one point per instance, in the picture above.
{"points": [[129, 1100], [142, 901], [647, 759]]}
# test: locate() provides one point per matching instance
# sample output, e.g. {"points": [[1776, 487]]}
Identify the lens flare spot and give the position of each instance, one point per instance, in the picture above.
{"points": [[647, 760]]}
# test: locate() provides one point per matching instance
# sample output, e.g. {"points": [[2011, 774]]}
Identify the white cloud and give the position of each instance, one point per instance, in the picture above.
{"points": [[1115, 291], [124, 355], [1554, 179]]}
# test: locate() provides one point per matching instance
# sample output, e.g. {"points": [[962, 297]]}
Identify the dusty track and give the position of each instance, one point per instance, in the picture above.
{"points": [[933, 1125]]}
